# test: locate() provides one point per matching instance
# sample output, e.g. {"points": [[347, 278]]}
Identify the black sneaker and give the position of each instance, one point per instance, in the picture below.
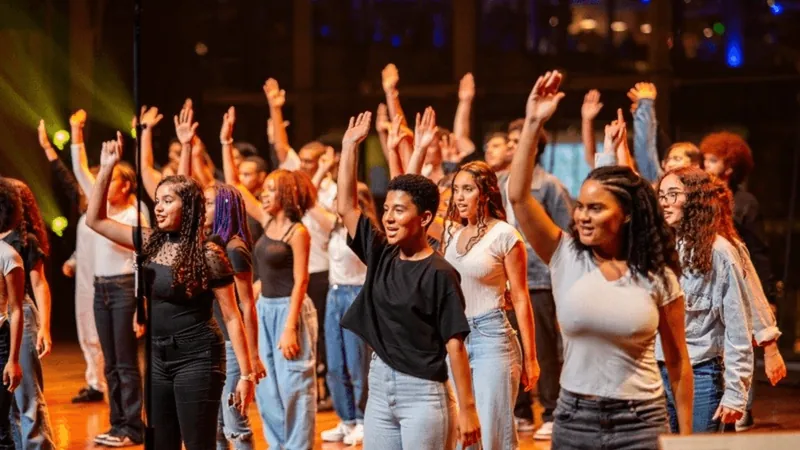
{"points": [[88, 395]]}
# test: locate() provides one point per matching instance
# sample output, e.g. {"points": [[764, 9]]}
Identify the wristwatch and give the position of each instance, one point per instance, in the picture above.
{"points": [[251, 378]]}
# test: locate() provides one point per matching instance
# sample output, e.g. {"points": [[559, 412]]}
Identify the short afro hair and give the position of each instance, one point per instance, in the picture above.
{"points": [[10, 206], [424, 192], [261, 165], [733, 149]]}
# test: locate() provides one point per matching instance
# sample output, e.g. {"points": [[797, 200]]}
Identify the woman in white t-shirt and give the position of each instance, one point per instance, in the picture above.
{"points": [[489, 254], [615, 287]]}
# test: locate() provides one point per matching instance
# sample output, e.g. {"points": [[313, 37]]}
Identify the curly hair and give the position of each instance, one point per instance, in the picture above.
{"points": [[733, 149], [423, 192], [190, 269], [724, 204], [648, 243], [489, 198], [697, 229], [32, 221], [296, 193], [10, 206], [230, 216]]}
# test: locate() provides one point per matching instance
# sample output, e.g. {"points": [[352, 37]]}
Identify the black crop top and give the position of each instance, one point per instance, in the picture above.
{"points": [[275, 265], [172, 310]]}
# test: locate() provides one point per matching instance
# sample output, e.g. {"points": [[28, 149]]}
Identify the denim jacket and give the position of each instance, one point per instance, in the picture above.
{"points": [[645, 130], [718, 323], [555, 199], [765, 327]]}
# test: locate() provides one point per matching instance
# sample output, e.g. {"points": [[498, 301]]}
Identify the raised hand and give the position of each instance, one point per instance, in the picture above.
{"points": [[184, 127], [228, 121], [615, 133], [110, 154], [357, 130], [591, 105], [149, 117], [327, 160], [425, 129], [271, 129], [544, 97], [397, 132], [44, 141], [78, 119], [645, 91], [276, 97], [389, 78], [466, 88]]}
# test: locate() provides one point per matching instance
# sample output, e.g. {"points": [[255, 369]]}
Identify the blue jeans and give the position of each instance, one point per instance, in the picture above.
{"points": [[29, 418], [287, 398], [6, 438], [709, 386], [604, 423], [495, 358], [347, 356], [408, 413], [232, 426]]}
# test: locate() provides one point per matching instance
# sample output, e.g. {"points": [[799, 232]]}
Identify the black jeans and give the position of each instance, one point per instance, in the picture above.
{"points": [[188, 377], [6, 438], [318, 292], [114, 308], [548, 354]]}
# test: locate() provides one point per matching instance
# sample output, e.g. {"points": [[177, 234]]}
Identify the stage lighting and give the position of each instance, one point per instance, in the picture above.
{"points": [[58, 225], [60, 138], [133, 132]]}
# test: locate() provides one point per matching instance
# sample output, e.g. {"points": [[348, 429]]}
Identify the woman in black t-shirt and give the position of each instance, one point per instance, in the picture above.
{"points": [[185, 273], [226, 223], [410, 311]]}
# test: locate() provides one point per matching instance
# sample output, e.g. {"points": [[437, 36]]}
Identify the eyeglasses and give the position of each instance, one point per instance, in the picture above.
{"points": [[670, 198]]}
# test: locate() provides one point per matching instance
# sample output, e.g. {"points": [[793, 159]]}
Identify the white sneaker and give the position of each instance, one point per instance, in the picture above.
{"points": [[544, 433], [356, 436], [524, 425], [337, 434]]}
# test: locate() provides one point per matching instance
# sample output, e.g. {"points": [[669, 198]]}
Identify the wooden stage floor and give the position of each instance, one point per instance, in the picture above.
{"points": [[777, 409]]}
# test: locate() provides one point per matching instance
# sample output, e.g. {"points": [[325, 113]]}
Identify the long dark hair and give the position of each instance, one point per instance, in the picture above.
{"points": [[649, 244], [230, 217], [697, 229], [32, 221], [10, 206], [189, 268], [489, 199]]}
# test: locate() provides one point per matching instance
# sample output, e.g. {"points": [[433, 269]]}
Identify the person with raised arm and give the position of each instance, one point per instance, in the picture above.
{"points": [[12, 293], [410, 311], [615, 288], [184, 275]]}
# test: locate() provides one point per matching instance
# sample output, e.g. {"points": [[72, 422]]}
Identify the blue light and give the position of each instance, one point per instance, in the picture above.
{"points": [[396, 40], [645, 1], [776, 8], [438, 31], [325, 31], [733, 54]]}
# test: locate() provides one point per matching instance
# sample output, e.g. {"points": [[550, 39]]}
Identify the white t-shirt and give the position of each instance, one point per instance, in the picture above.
{"points": [[110, 258], [608, 327], [345, 268], [9, 260], [482, 268], [318, 253], [84, 259]]}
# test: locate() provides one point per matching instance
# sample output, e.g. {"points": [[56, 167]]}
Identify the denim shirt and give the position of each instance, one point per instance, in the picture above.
{"points": [[645, 129], [555, 199], [718, 323], [765, 327]]}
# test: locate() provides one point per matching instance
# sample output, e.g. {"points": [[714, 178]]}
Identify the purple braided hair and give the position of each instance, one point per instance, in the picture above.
{"points": [[230, 217]]}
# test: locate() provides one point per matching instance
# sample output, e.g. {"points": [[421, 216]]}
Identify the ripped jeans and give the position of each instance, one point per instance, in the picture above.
{"points": [[231, 426]]}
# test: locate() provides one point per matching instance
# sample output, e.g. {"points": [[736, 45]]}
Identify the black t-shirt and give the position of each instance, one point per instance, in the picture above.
{"points": [[242, 263], [407, 310], [172, 310], [30, 252]]}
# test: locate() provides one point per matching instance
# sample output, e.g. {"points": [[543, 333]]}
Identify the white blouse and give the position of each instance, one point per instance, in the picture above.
{"points": [[345, 268]]}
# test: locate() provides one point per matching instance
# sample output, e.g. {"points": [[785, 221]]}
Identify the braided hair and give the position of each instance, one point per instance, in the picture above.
{"points": [[32, 221], [697, 229], [648, 242], [489, 199], [189, 268], [230, 217], [296, 193]]}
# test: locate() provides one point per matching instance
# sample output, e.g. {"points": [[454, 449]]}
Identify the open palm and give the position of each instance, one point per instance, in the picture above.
{"points": [[544, 98], [276, 97], [358, 129], [184, 127], [425, 129]]}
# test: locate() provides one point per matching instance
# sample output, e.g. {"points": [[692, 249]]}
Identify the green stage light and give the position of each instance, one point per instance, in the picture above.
{"points": [[133, 132], [719, 28], [58, 225], [60, 138]]}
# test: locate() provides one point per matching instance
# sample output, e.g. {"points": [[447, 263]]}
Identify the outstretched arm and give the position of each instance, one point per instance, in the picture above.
{"points": [[97, 213], [424, 133], [185, 129], [466, 93], [149, 118], [347, 197], [591, 107], [535, 223], [276, 97], [80, 165]]}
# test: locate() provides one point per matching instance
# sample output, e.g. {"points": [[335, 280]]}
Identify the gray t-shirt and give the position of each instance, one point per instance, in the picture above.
{"points": [[608, 327], [9, 260]]}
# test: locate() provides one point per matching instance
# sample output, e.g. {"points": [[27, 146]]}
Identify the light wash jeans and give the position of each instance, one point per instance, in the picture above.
{"points": [[347, 357], [29, 417], [709, 387], [287, 398], [232, 426], [408, 413], [495, 358]]}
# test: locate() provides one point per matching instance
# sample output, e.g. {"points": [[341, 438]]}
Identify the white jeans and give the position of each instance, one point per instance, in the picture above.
{"points": [[87, 337]]}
